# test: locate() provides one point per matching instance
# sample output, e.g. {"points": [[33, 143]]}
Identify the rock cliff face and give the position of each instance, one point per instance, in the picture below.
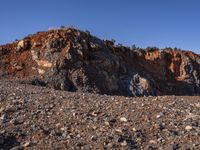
{"points": [[72, 60]]}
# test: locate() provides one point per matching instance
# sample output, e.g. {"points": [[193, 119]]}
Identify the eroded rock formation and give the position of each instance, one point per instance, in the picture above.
{"points": [[72, 60]]}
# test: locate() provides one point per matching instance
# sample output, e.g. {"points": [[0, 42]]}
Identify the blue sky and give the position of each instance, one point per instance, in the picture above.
{"points": [[161, 23]]}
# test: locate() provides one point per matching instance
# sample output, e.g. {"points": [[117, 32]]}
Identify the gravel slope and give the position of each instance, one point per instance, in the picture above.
{"points": [[34, 117]]}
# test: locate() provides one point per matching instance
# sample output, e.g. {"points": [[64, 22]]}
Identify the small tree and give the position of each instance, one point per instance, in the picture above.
{"points": [[62, 27], [163, 55], [119, 44], [133, 47], [151, 49], [176, 49], [87, 31], [169, 48], [113, 40]]}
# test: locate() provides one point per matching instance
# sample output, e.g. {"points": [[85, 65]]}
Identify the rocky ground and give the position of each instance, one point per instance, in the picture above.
{"points": [[33, 117], [37, 112]]}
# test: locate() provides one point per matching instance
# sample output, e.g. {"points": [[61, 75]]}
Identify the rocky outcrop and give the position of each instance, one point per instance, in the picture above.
{"points": [[72, 60]]}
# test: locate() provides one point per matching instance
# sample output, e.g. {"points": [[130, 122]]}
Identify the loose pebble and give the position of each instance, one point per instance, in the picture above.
{"points": [[123, 119], [188, 128]]}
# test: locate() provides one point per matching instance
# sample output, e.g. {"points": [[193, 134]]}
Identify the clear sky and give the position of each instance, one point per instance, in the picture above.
{"points": [[161, 23]]}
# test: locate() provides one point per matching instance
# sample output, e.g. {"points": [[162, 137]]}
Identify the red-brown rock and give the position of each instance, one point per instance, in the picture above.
{"points": [[69, 59]]}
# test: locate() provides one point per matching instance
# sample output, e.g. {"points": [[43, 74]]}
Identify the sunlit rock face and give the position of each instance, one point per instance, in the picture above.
{"points": [[73, 60]]}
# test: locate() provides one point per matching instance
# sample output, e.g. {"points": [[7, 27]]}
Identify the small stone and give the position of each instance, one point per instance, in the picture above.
{"points": [[134, 129], [63, 128], [107, 123], [1, 109], [124, 143], [94, 127], [41, 71], [198, 105], [123, 119], [188, 128], [152, 142], [19, 67], [110, 145], [58, 124], [118, 130], [51, 106], [93, 138], [78, 136], [27, 143], [3, 118], [19, 120], [94, 114], [160, 115], [16, 148], [160, 139], [74, 114]]}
